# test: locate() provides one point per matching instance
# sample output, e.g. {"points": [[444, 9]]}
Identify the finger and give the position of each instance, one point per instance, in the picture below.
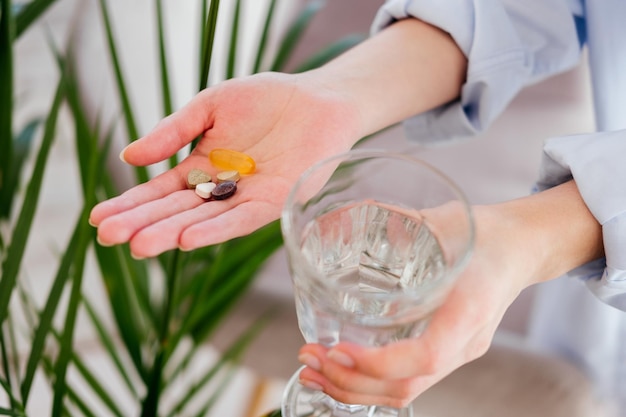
{"points": [[119, 228], [206, 224], [349, 380], [403, 359], [154, 189], [451, 328], [371, 392], [173, 132], [322, 370], [165, 234], [348, 385], [312, 355], [240, 220], [158, 187]]}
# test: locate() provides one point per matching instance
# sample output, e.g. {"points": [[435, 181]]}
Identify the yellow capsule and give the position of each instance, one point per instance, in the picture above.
{"points": [[230, 160]]}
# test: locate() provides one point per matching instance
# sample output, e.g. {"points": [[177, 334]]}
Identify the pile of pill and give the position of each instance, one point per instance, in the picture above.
{"points": [[234, 165], [224, 186]]}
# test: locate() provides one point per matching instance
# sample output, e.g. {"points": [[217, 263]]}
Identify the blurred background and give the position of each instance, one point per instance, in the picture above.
{"points": [[499, 165]]}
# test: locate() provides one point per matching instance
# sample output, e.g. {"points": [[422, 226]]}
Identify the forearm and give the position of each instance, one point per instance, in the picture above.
{"points": [[406, 69], [554, 228]]}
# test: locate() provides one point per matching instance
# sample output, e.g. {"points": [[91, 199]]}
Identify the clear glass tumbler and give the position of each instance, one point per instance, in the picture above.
{"points": [[374, 242]]}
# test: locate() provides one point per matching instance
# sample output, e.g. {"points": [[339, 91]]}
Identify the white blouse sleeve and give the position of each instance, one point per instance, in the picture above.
{"points": [[509, 44], [597, 162]]}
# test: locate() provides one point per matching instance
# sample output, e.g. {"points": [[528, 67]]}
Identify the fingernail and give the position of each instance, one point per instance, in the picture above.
{"points": [[122, 155], [311, 385], [91, 223], [106, 245], [310, 360], [340, 358], [137, 257]]}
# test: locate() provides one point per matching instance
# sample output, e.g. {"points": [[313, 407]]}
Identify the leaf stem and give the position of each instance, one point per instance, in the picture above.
{"points": [[151, 402]]}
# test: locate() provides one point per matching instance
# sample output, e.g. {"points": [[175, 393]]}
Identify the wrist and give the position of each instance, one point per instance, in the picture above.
{"points": [[321, 97], [552, 232], [406, 69], [505, 246]]}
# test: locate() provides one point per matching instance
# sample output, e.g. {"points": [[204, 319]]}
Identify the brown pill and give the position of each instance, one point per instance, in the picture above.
{"points": [[224, 190]]}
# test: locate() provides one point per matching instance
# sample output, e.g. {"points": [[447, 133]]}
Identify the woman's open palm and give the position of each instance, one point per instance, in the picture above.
{"points": [[279, 120]]}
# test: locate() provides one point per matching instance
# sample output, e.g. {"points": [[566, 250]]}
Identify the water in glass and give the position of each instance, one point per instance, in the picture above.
{"points": [[377, 271]]}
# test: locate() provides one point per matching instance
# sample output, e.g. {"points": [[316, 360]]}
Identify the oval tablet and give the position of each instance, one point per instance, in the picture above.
{"points": [[230, 160], [224, 190], [228, 176]]}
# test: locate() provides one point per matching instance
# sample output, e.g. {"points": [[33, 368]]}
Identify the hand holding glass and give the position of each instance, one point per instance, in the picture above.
{"points": [[374, 242]]}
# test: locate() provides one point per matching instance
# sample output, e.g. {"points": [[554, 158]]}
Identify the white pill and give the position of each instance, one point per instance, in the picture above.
{"points": [[204, 190]]}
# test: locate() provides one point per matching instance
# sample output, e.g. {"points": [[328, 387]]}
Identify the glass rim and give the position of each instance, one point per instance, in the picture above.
{"points": [[292, 241]]}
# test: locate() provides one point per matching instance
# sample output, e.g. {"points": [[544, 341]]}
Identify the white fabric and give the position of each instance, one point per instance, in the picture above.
{"points": [[593, 161], [510, 44], [507, 48]]}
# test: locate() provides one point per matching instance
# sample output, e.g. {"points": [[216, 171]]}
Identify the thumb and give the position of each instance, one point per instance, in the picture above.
{"points": [[446, 342], [172, 133]]}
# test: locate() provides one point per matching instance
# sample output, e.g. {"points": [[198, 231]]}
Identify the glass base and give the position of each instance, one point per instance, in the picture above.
{"points": [[299, 401]]}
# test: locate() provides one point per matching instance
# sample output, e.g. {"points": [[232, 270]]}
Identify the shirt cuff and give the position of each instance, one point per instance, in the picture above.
{"points": [[508, 46], [595, 162]]}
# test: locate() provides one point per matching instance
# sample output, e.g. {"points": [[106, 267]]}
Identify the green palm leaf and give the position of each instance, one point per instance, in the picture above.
{"points": [[122, 298], [129, 115], [85, 236], [47, 315], [232, 355], [295, 33], [234, 35], [199, 288], [7, 412], [166, 90], [166, 93], [11, 181], [110, 346], [72, 395], [20, 234], [224, 280], [29, 14], [208, 38], [261, 49], [6, 101], [94, 383]]}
